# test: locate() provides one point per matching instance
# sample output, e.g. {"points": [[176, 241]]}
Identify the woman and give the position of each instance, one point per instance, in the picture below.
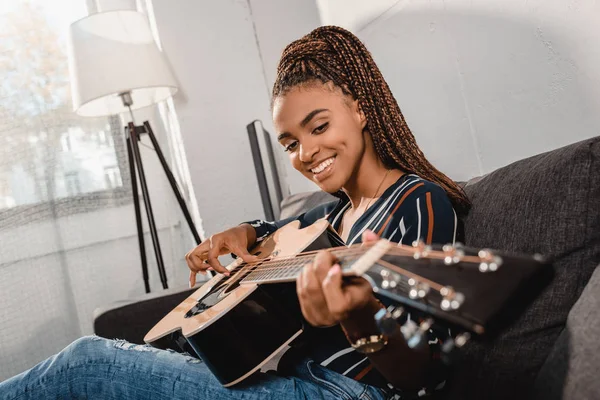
{"points": [[337, 119]]}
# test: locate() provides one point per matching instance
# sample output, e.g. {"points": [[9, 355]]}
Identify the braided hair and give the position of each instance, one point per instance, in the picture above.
{"points": [[332, 54]]}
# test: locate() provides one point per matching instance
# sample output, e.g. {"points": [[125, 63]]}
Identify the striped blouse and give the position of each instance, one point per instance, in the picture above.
{"points": [[410, 209]]}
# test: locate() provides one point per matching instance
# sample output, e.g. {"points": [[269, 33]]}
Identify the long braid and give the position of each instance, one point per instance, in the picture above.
{"points": [[332, 54]]}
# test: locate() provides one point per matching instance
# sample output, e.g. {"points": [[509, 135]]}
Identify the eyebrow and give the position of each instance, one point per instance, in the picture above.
{"points": [[304, 121]]}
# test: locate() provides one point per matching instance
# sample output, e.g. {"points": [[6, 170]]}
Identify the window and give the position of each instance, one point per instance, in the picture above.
{"points": [[47, 152], [112, 177], [72, 183]]}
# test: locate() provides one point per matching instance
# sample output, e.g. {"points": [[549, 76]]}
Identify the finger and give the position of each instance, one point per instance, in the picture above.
{"points": [[337, 300], [192, 279], [303, 299], [195, 258], [214, 263], [369, 236], [322, 263], [242, 253], [194, 267], [312, 285], [299, 287], [212, 257], [200, 250], [312, 301], [200, 264]]}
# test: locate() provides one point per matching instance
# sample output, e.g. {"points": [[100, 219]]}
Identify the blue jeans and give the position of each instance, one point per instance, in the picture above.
{"points": [[97, 368]]}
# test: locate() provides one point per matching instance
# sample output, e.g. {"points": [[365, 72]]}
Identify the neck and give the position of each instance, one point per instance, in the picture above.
{"points": [[288, 269], [370, 180]]}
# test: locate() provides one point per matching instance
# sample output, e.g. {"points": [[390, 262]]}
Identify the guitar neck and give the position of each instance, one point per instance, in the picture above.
{"points": [[288, 269]]}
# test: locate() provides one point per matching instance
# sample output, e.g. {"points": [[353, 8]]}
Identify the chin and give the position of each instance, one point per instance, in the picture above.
{"points": [[330, 185]]}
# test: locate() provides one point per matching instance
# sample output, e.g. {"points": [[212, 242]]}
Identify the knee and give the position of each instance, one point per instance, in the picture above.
{"points": [[85, 347]]}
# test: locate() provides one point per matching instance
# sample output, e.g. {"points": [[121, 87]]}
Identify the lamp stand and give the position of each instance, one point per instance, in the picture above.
{"points": [[132, 133]]}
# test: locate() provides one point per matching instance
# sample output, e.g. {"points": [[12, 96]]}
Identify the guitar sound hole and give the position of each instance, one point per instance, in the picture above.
{"points": [[217, 294], [207, 301]]}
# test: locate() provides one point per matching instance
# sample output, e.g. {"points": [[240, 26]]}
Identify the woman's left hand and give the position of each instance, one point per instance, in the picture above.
{"points": [[325, 299]]}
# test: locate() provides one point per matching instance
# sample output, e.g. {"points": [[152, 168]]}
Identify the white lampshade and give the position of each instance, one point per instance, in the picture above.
{"points": [[112, 53]]}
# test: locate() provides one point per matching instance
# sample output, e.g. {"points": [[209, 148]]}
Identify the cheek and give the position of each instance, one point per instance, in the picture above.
{"points": [[295, 161]]}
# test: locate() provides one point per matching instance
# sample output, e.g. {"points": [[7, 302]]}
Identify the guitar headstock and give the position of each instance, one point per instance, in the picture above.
{"points": [[460, 286]]}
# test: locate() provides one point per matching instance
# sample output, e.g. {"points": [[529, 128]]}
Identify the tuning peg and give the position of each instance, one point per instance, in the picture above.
{"points": [[489, 261], [389, 280], [422, 250], [419, 334], [452, 254], [408, 329], [418, 244], [386, 319], [451, 299], [418, 290], [451, 346]]}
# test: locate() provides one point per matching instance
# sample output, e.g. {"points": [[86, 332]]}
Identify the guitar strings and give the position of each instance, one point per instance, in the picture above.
{"points": [[279, 264], [297, 260]]}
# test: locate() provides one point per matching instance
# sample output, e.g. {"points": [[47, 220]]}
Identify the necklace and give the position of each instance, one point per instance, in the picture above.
{"points": [[376, 191]]}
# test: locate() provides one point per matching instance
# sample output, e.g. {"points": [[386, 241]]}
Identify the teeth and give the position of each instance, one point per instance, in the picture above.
{"points": [[319, 168]]}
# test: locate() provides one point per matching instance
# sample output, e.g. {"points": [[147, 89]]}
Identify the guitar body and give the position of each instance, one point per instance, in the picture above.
{"points": [[235, 329]]}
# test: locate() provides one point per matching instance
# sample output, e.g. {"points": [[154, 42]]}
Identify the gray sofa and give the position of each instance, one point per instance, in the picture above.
{"points": [[548, 204]]}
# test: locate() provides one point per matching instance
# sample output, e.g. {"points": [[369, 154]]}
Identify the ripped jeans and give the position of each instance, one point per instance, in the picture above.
{"points": [[97, 368]]}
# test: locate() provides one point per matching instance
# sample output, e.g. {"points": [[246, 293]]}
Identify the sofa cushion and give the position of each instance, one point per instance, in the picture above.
{"points": [[571, 370], [548, 204], [299, 203]]}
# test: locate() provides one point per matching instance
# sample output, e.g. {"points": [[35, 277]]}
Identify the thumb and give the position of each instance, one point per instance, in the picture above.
{"points": [[369, 236]]}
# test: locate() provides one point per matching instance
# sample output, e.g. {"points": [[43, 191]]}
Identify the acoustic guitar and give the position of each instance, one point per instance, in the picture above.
{"points": [[236, 324]]}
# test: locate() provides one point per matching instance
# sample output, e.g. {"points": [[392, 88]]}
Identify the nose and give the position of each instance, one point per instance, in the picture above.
{"points": [[307, 151]]}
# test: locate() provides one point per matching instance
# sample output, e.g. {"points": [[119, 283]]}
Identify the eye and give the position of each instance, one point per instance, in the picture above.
{"points": [[291, 146], [321, 128]]}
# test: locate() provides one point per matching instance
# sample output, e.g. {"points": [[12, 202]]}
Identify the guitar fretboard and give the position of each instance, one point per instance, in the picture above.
{"points": [[287, 270]]}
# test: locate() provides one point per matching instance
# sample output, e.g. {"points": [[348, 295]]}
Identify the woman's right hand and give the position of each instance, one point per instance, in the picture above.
{"points": [[205, 256]]}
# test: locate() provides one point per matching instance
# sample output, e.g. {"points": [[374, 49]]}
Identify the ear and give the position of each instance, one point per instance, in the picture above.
{"points": [[359, 114]]}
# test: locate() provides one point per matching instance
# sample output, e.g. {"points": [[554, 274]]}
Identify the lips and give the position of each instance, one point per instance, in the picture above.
{"points": [[321, 167], [324, 169]]}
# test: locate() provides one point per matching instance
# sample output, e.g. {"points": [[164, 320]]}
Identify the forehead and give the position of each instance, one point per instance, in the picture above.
{"points": [[293, 106]]}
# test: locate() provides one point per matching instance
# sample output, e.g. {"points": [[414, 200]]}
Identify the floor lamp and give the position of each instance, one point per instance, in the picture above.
{"points": [[115, 67]]}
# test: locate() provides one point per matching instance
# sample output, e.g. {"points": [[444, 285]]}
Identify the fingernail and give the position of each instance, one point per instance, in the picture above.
{"points": [[335, 269], [226, 273], [190, 284]]}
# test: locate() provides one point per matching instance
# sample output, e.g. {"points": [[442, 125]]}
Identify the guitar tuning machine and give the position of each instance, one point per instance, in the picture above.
{"points": [[418, 290], [461, 339], [422, 250], [418, 334], [451, 299], [450, 347], [453, 254], [386, 319], [489, 261], [389, 280]]}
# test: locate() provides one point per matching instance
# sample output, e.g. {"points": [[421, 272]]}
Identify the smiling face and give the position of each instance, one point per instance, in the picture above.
{"points": [[322, 130]]}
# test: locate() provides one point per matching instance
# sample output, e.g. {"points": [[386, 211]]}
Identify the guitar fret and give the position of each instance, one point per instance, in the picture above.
{"points": [[290, 268]]}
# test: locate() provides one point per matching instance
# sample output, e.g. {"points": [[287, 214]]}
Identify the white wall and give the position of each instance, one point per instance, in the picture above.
{"points": [[211, 47], [483, 83]]}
